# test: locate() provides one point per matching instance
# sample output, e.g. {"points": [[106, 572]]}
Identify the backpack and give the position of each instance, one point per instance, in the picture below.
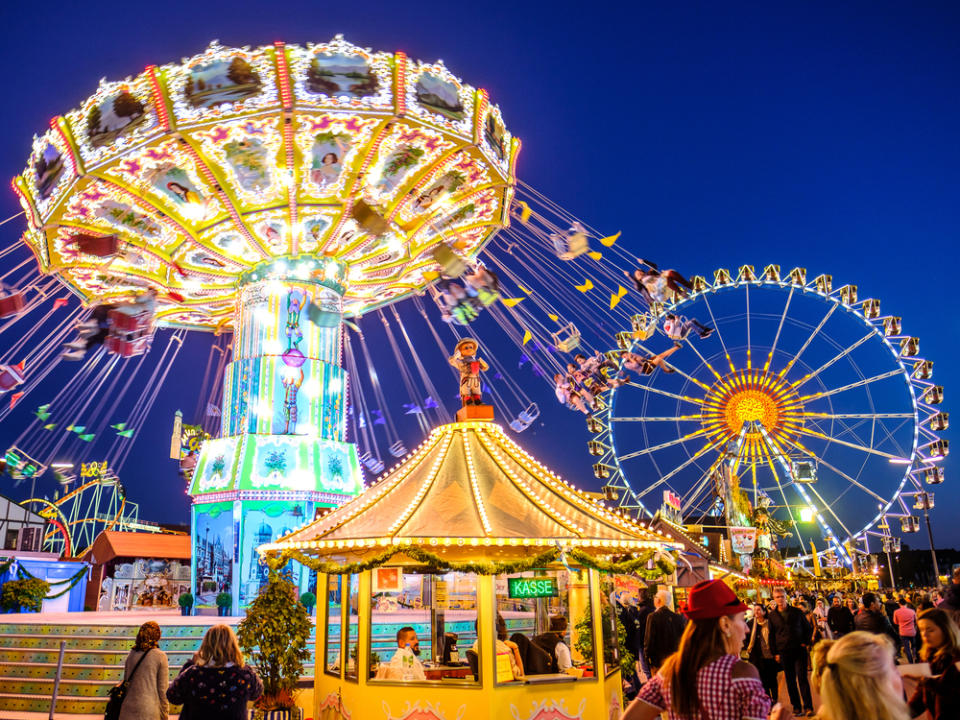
{"points": [[118, 692]]}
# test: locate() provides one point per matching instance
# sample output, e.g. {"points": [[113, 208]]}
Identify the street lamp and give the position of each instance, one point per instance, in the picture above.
{"points": [[924, 501]]}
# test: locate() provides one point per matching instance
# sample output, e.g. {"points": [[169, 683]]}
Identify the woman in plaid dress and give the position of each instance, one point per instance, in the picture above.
{"points": [[705, 679]]}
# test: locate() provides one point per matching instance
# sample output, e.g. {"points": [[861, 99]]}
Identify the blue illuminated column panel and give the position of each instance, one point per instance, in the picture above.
{"points": [[282, 451]]}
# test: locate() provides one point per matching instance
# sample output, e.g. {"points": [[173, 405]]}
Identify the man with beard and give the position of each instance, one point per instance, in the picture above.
{"points": [[405, 664]]}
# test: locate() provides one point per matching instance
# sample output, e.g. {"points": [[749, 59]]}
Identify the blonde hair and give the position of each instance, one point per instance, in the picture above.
{"points": [[853, 676], [219, 647]]}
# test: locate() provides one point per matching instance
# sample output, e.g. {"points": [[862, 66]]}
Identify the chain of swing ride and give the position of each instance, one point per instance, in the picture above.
{"points": [[550, 297]]}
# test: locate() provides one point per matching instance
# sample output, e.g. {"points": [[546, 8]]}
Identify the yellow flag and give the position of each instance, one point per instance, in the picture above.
{"points": [[431, 275], [610, 240], [614, 299], [621, 291], [595, 255], [525, 212], [528, 292], [588, 285], [510, 302], [553, 317], [527, 335], [816, 559]]}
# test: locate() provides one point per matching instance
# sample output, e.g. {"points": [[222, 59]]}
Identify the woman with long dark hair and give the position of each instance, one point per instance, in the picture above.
{"points": [[705, 678], [940, 694], [146, 670]]}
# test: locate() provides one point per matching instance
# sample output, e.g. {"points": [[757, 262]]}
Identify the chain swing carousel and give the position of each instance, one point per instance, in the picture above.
{"points": [[465, 550]]}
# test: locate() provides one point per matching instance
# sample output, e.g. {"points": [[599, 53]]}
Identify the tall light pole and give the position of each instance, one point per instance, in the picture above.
{"points": [[925, 502]]}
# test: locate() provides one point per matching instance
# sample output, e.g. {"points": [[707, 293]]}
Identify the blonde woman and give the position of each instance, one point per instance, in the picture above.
{"points": [[857, 677], [217, 686]]}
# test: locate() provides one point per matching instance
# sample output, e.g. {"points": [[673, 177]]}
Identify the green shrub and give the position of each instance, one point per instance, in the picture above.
{"points": [[185, 600], [308, 599], [27, 594], [224, 600]]}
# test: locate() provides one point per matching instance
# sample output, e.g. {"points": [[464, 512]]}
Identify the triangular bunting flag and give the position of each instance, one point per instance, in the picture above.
{"points": [[51, 426], [430, 404], [498, 376], [614, 299], [594, 255], [510, 302], [528, 292], [527, 336], [21, 366], [59, 303], [523, 360], [411, 409], [588, 285], [88, 437], [378, 420], [610, 240], [119, 426], [525, 212], [430, 275], [553, 317], [126, 433], [42, 412], [13, 398], [78, 429]]}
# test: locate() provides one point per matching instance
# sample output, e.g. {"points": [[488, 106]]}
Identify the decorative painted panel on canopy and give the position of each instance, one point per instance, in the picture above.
{"points": [[288, 160], [472, 489]]}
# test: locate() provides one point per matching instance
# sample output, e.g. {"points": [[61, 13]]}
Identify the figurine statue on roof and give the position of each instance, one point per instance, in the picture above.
{"points": [[470, 366]]}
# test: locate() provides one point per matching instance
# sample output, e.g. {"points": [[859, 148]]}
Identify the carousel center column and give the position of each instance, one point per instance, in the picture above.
{"points": [[282, 452]]}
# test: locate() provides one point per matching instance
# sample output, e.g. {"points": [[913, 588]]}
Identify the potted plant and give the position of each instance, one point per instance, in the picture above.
{"points": [[224, 604], [274, 635], [185, 601], [309, 600], [24, 595]]}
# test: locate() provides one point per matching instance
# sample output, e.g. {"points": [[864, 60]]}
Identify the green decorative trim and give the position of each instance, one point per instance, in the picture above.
{"points": [[70, 582], [648, 565], [4, 566]]}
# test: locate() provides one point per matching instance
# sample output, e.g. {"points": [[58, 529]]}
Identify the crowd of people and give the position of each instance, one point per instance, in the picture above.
{"points": [[215, 684], [886, 657]]}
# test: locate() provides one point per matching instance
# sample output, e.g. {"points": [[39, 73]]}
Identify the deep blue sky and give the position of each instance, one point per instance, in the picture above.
{"points": [[815, 134]]}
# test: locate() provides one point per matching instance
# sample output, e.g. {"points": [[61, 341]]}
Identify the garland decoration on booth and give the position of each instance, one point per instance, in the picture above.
{"points": [[4, 566], [648, 565], [70, 582]]}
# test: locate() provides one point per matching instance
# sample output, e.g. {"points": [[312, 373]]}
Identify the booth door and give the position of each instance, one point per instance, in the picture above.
{"points": [[58, 604]]}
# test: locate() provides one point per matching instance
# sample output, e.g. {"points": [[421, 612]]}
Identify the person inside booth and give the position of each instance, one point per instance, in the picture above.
{"points": [[405, 664]]}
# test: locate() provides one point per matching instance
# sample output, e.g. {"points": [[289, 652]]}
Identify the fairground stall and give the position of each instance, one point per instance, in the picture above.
{"points": [[467, 543]]}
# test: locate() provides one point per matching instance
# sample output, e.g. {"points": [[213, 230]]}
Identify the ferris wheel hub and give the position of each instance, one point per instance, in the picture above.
{"points": [[752, 398]]}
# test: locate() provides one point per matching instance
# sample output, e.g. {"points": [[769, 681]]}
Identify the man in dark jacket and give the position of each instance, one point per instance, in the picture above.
{"points": [[890, 606], [839, 618], [871, 619], [643, 611], [791, 635], [951, 598], [661, 637]]}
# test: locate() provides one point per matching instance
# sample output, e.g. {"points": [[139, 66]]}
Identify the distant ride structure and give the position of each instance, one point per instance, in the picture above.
{"points": [[809, 414]]}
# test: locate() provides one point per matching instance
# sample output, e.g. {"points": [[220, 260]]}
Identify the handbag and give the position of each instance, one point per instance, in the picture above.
{"points": [[118, 692]]}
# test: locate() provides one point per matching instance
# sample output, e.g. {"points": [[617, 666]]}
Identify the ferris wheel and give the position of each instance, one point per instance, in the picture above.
{"points": [[800, 397]]}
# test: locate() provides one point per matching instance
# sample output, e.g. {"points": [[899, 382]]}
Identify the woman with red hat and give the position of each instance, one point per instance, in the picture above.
{"points": [[705, 679]]}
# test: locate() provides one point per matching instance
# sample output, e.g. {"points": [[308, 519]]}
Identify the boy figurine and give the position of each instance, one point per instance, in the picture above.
{"points": [[470, 366]]}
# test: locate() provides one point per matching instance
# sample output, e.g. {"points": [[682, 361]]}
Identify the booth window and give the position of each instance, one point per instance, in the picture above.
{"points": [[332, 664], [611, 625], [351, 626], [423, 626], [543, 618]]}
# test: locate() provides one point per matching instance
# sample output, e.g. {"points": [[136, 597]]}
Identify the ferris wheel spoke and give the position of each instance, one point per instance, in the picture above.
{"points": [[839, 356], [806, 344], [854, 446], [830, 509], [716, 328], [853, 385], [838, 471], [663, 446], [665, 393], [859, 416], [768, 452], [776, 338], [703, 360], [662, 418], [690, 499], [680, 468]]}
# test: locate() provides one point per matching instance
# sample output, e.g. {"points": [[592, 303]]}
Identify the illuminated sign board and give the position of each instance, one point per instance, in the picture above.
{"points": [[535, 587]]}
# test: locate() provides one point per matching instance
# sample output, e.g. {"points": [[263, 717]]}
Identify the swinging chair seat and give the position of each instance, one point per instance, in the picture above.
{"points": [[518, 425], [11, 304], [398, 449], [567, 338], [529, 414], [572, 246], [644, 326]]}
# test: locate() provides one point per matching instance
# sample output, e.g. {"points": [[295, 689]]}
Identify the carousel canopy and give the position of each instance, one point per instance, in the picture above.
{"points": [[239, 164], [470, 490]]}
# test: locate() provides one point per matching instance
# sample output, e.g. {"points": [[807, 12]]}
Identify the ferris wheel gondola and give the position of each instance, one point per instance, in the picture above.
{"points": [[805, 401]]}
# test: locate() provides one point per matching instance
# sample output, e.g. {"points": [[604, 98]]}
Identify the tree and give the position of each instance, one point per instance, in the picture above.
{"points": [[93, 120], [274, 635], [240, 72], [126, 105]]}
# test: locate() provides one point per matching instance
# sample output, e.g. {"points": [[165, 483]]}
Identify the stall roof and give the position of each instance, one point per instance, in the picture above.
{"points": [[469, 486], [112, 544]]}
